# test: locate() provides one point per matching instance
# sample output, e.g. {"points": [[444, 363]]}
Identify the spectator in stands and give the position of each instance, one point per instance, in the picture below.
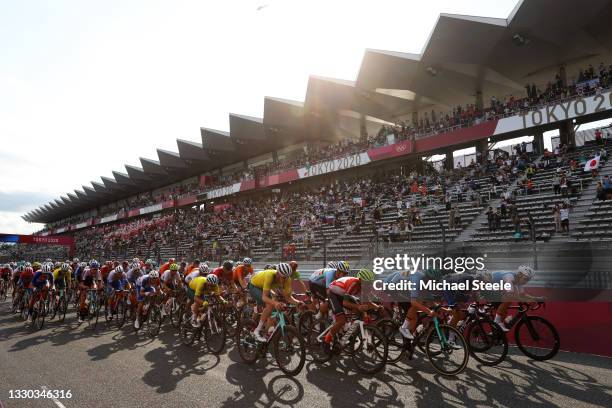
{"points": [[491, 218], [531, 225], [564, 215], [600, 191], [563, 185], [556, 183], [516, 221], [556, 218]]}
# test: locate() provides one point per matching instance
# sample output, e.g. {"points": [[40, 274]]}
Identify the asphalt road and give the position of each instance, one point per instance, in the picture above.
{"points": [[121, 369]]}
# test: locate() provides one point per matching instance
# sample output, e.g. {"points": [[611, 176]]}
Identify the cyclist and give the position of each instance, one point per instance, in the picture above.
{"points": [[24, 276], [518, 280], [260, 287], [341, 292], [197, 291], [170, 282], [91, 278], [225, 275], [319, 283], [295, 275], [5, 276], [41, 281], [241, 272], [117, 280], [201, 271], [62, 277], [146, 285], [165, 266], [192, 267], [149, 265]]}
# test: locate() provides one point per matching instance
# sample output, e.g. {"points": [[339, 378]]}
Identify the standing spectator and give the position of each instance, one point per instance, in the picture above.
{"points": [[490, 218], [556, 183], [556, 218], [564, 215]]}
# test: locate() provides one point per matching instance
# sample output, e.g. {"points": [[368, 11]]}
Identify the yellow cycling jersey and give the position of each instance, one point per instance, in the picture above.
{"points": [[59, 275], [265, 280], [199, 286]]}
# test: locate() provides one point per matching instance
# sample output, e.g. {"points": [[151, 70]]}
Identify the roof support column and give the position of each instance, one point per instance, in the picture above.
{"points": [[449, 162], [566, 133], [363, 130], [479, 100], [482, 148], [538, 142]]}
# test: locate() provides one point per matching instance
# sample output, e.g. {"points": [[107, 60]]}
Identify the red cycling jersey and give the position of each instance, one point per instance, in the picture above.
{"points": [[241, 271], [222, 275], [348, 285]]}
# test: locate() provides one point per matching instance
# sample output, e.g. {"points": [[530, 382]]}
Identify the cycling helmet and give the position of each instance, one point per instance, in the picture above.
{"points": [[153, 274], [247, 261], [174, 267], [212, 279], [75, 260], [83, 264], [46, 268], [332, 264], [228, 265], [203, 268], [294, 265], [149, 262], [485, 275], [284, 269], [171, 260], [365, 275], [36, 265], [24, 269], [109, 263], [65, 267], [343, 267], [136, 260], [27, 264], [526, 271], [119, 269], [57, 264], [94, 264]]}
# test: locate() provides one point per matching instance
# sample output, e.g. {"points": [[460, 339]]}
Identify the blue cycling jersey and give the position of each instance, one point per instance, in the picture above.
{"points": [[323, 276], [39, 280]]}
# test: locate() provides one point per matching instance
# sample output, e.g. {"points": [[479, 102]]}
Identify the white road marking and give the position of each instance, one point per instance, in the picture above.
{"points": [[55, 400]]}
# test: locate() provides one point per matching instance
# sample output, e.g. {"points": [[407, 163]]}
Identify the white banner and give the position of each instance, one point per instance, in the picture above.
{"points": [[108, 218], [555, 113], [339, 164], [224, 191], [151, 208]]}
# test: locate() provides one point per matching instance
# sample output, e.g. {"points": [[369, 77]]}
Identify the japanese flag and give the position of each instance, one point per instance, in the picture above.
{"points": [[592, 164]]}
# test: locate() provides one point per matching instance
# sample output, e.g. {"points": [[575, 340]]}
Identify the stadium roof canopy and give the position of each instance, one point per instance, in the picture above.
{"points": [[463, 55]]}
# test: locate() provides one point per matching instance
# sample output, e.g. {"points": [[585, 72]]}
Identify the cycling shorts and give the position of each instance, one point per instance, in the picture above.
{"points": [[257, 294], [318, 291]]}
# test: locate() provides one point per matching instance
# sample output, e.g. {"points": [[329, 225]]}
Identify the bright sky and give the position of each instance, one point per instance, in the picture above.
{"points": [[87, 87]]}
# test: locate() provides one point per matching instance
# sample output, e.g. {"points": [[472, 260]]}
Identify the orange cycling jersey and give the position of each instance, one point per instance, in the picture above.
{"points": [[241, 271]]}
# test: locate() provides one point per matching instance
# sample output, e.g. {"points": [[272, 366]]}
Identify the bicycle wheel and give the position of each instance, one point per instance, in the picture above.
{"points": [[314, 346], [63, 308], [176, 314], [248, 346], [231, 320], [214, 332], [154, 321], [24, 307], [289, 349], [445, 357], [119, 314], [369, 352], [537, 338], [40, 315], [487, 341], [305, 323], [395, 341]]}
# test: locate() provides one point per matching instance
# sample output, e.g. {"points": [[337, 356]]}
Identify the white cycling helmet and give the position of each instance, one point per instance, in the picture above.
{"points": [[343, 267], [526, 271], [119, 269], [203, 268], [212, 279], [154, 274], [247, 261], [284, 269]]}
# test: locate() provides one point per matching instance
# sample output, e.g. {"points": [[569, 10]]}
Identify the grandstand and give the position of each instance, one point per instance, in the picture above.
{"points": [[349, 172]]}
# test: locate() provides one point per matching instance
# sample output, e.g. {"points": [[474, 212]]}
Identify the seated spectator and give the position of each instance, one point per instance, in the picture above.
{"points": [[600, 192]]}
